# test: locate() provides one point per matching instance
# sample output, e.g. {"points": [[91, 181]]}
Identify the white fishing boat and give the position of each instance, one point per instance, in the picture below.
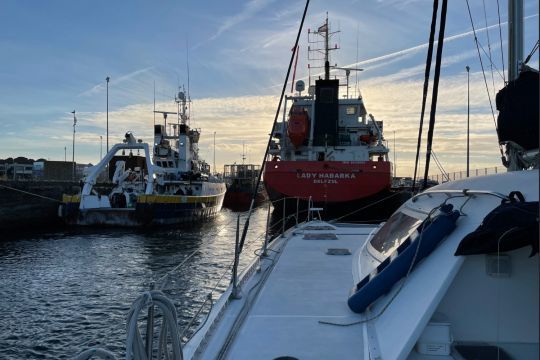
{"points": [[175, 185]]}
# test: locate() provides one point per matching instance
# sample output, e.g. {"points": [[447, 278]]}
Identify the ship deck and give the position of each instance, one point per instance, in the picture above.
{"points": [[306, 285]]}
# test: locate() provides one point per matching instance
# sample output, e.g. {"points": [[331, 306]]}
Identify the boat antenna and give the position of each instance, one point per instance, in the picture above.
{"points": [[284, 88], [357, 91], [154, 103], [326, 50], [325, 33], [187, 66]]}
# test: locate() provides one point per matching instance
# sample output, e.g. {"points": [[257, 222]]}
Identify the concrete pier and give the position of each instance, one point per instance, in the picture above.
{"points": [[20, 211]]}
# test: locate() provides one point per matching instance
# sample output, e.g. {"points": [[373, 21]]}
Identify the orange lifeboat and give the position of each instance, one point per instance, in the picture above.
{"points": [[368, 138], [298, 127]]}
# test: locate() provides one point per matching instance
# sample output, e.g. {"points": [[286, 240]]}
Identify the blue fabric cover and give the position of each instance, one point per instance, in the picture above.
{"points": [[390, 272]]}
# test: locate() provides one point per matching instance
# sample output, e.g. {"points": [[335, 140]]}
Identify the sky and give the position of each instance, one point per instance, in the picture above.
{"points": [[55, 56]]}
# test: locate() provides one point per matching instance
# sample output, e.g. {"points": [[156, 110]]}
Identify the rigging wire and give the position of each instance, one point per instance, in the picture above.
{"points": [[426, 85], [489, 48], [490, 62], [254, 194], [535, 47], [484, 74], [434, 95], [439, 165], [30, 193], [500, 37]]}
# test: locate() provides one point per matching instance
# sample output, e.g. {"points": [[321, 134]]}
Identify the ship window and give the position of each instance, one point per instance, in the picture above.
{"points": [[351, 110], [396, 230]]}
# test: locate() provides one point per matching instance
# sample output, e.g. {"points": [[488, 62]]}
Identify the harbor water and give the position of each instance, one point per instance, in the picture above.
{"points": [[69, 290]]}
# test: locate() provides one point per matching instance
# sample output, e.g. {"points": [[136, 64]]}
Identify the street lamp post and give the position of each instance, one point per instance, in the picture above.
{"points": [[215, 172], [65, 153], [468, 116], [73, 158], [107, 79]]}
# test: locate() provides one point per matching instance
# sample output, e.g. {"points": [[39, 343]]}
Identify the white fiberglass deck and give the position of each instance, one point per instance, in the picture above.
{"points": [[306, 285]]}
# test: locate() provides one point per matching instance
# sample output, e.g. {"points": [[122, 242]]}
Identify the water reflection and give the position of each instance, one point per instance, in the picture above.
{"points": [[69, 290]]}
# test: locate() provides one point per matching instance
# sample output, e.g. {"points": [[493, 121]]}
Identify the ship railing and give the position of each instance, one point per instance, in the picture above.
{"points": [[200, 317], [140, 347], [458, 175], [275, 228]]}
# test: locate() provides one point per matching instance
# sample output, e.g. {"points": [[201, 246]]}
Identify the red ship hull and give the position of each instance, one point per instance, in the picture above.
{"points": [[241, 200], [326, 181]]}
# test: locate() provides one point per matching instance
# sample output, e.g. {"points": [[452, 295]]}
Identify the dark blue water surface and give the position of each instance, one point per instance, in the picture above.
{"points": [[69, 290]]}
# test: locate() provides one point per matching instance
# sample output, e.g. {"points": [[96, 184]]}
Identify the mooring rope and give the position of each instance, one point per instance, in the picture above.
{"points": [[29, 193]]}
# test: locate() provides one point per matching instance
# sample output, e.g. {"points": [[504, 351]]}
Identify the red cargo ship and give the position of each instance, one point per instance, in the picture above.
{"points": [[328, 149]]}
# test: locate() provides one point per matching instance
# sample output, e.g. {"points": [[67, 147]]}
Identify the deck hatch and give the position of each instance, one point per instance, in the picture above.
{"points": [[327, 236], [319, 227], [338, 252]]}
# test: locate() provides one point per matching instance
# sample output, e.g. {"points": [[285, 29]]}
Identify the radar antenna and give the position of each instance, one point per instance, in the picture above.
{"points": [[321, 47]]}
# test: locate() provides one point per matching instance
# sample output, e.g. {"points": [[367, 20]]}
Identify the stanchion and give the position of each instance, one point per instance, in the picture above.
{"points": [[297, 205], [266, 234], [235, 293], [283, 219]]}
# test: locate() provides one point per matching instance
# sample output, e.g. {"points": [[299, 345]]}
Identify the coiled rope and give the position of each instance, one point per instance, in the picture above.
{"points": [[135, 348]]}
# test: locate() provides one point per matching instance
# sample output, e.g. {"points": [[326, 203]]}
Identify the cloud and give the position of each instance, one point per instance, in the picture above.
{"points": [[415, 49], [249, 10], [101, 87]]}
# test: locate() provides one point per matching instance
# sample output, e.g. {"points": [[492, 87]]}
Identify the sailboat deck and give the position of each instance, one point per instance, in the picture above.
{"points": [[306, 286]]}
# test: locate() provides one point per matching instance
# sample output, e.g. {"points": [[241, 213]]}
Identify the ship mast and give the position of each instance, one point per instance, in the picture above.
{"points": [[321, 47], [326, 49]]}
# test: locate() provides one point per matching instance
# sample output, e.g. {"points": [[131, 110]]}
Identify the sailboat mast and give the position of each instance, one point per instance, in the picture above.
{"points": [[515, 38]]}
